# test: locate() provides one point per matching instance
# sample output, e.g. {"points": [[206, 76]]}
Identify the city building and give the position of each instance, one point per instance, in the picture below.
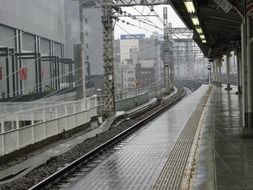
{"points": [[138, 61], [145, 76], [93, 36], [117, 67], [32, 47], [128, 74], [150, 58]]}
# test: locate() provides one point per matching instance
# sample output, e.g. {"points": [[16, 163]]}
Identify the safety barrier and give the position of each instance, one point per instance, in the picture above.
{"points": [[29, 126], [34, 125]]}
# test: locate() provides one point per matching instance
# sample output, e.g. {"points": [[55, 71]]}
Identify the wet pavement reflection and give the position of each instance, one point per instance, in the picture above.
{"points": [[225, 159], [137, 162]]}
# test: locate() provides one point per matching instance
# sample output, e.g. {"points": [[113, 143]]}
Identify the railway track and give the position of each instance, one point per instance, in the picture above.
{"points": [[142, 116]]}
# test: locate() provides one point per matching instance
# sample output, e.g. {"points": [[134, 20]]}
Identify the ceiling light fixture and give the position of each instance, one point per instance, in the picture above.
{"points": [[199, 30], [189, 6], [202, 37], [195, 20]]}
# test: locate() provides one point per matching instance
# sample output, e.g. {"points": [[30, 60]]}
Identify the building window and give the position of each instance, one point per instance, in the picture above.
{"points": [[86, 21], [86, 33], [87, 57]]}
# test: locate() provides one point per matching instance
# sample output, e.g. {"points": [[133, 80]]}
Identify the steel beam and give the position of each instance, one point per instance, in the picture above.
{"points": [[127, 3], [166, 50], [108, 39]]}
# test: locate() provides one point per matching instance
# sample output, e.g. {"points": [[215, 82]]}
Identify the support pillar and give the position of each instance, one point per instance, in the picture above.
{"points": [[216, 72], [228, 71], [79, 80], [219, 78], [167, 58], [249, 76], [213, 73], [108, 38], [239, 72], [247, 59]]}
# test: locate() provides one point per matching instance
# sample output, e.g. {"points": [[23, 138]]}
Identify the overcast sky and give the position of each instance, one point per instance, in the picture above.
{"points": [[172, 18]]}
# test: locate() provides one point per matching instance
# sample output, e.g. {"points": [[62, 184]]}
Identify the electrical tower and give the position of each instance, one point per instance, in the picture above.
{"points": [[171, 60], [166, 50], [108, 39], [108, 6]]}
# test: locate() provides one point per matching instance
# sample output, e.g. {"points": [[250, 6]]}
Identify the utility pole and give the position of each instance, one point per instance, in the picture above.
{"points": [[108, 39], [171, 60], [108, 28], [166, 51]]}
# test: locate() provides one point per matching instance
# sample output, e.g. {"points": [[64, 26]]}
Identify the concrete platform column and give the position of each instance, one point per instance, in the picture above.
{"points": [[215, 72], [247, 59], [228, 70], [219, 64], [249, 76]]}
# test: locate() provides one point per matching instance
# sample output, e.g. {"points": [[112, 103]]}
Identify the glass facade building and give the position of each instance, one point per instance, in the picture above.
{"points": [[32, 41]]}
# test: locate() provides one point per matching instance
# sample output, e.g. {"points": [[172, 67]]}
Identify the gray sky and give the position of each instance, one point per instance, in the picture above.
{"points": [[172, 18]]}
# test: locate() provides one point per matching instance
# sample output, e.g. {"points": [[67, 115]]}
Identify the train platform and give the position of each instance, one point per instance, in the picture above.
{"points": [[224, 158], [152, 158], [200, 134]]}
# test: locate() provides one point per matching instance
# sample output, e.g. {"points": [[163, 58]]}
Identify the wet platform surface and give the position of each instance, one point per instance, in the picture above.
{"points": [[137, 162], [58, 148], [225, 159]]}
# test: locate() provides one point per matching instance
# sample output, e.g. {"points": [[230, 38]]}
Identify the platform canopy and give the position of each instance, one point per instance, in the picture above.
{"points": [[219, 20]]}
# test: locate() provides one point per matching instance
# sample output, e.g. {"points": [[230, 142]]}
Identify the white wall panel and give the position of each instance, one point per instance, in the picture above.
{"points": [[26, 136], [10, 141], [39, 132], [44, 18]]}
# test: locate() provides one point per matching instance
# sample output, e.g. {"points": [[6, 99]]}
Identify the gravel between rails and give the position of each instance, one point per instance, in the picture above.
{"points": [[18, 159], [58, 162]]}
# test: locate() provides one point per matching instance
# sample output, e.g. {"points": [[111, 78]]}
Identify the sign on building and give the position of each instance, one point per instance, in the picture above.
{"points": [[132, 36]]}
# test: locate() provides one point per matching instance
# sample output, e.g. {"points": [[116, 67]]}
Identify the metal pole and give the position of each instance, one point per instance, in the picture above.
{"points": [[79, 55], [166, 51], [108, 39], [228, 71], [249, 111], [239, 72], [219, 72], [215, 72], [244, 67]]}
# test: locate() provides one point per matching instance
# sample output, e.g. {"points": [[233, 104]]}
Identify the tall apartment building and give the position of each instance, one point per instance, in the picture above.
{"points": [[93, 35]]}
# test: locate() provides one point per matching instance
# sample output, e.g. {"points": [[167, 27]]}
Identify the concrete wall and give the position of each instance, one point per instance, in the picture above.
{"points": [[44, 18], [131, 103], [93, 36]]}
